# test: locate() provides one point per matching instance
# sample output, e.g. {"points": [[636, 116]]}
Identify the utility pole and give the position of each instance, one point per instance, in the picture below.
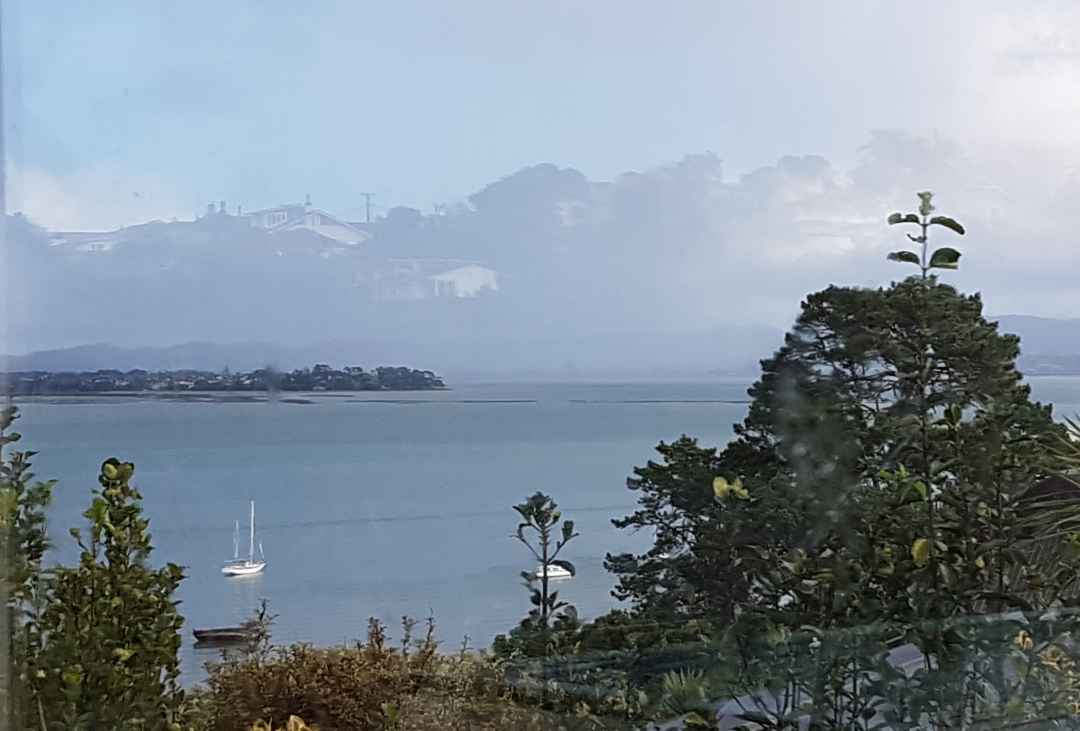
{"points": [[367, 206]]}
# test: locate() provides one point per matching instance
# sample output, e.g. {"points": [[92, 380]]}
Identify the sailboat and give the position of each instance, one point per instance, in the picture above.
{"points": [[244, 566]]}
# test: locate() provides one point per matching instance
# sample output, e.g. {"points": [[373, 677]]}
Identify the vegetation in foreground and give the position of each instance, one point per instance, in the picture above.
{"points": [[884, 498]]}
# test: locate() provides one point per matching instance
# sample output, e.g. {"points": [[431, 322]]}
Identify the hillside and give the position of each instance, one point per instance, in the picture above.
{"points": [[679, 269]]}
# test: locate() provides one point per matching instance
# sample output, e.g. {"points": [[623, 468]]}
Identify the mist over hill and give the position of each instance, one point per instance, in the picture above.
{"points": [[679, 269]]}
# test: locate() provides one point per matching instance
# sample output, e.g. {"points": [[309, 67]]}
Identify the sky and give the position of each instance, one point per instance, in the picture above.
{"points": [[127, 110]]}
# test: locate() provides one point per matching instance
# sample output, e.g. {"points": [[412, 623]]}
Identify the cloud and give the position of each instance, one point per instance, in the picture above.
{"points": [[1014, 79], [95, 199]]}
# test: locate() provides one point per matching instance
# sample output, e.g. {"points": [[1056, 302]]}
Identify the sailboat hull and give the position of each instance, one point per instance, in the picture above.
{"points": [[244, 568]]}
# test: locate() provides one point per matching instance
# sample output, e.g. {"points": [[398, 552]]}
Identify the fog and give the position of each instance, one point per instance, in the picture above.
{"points": [[637, 193]]}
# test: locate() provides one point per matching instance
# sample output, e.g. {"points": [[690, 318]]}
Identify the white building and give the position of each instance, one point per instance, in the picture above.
{"points": [[404, 280], [302, 216], [85, 241], [466, 281]]}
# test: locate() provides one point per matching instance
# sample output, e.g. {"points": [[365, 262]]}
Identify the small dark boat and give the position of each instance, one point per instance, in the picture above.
{"points": [[225, 635]]}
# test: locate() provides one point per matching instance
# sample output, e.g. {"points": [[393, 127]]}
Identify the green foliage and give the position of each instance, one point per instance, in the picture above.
{"points": [[373, 685], [943, 258], [333, 688], [22, 512], [949, 223], [540, 516], [882, 466], [691, 571], [685, 692], [896, 218], [23, 542], [109, 630], [896, 424], [908, 257]]}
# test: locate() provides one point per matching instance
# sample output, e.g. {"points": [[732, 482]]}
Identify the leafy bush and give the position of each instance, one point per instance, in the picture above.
{"points": [[334, 688], [110, 630], [378, 686]]}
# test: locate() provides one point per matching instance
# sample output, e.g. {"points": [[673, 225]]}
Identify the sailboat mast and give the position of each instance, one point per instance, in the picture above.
{"points": [[251, 545], [236, 541]]}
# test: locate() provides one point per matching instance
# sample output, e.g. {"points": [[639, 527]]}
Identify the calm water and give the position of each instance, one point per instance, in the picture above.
{"points": [[373, 508], [369, 507]]}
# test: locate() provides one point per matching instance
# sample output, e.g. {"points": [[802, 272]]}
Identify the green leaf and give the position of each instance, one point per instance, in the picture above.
{"points": [[920, 551], [110, 468], [567, 530], [739, 491], [945, 258], [566, 565], [903, 218], [909, 257], [72, 675], [949, 223], [98, 512]]}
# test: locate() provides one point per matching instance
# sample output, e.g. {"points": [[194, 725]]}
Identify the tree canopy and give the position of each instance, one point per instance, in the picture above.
{"points": [[874, 491]]}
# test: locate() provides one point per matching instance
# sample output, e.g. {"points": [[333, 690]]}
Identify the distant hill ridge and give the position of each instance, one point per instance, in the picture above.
{"points": [[1048, 346]]}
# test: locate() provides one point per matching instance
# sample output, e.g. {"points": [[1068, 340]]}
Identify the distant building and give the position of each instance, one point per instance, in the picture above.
{"points": [[404, 280], [466, 281], [88, 241], [302, 216]]}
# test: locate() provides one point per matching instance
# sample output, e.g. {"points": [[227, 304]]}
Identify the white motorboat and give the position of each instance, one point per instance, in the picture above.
{"points": [[554, 571]]}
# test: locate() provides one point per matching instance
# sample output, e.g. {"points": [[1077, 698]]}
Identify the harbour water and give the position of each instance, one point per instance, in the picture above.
{"points": [[376, 505]]}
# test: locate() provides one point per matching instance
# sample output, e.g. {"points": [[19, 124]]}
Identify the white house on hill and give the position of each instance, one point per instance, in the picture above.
{"points": [[302, 216]]}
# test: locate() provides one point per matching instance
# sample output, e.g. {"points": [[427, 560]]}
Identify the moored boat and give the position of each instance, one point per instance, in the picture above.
{"points": [[554, 571], [245, 566], [225, 635]]}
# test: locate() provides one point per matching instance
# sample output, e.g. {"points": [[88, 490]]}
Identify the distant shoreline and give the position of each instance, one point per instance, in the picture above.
{"points": [[220, 397], [320, 378]]}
